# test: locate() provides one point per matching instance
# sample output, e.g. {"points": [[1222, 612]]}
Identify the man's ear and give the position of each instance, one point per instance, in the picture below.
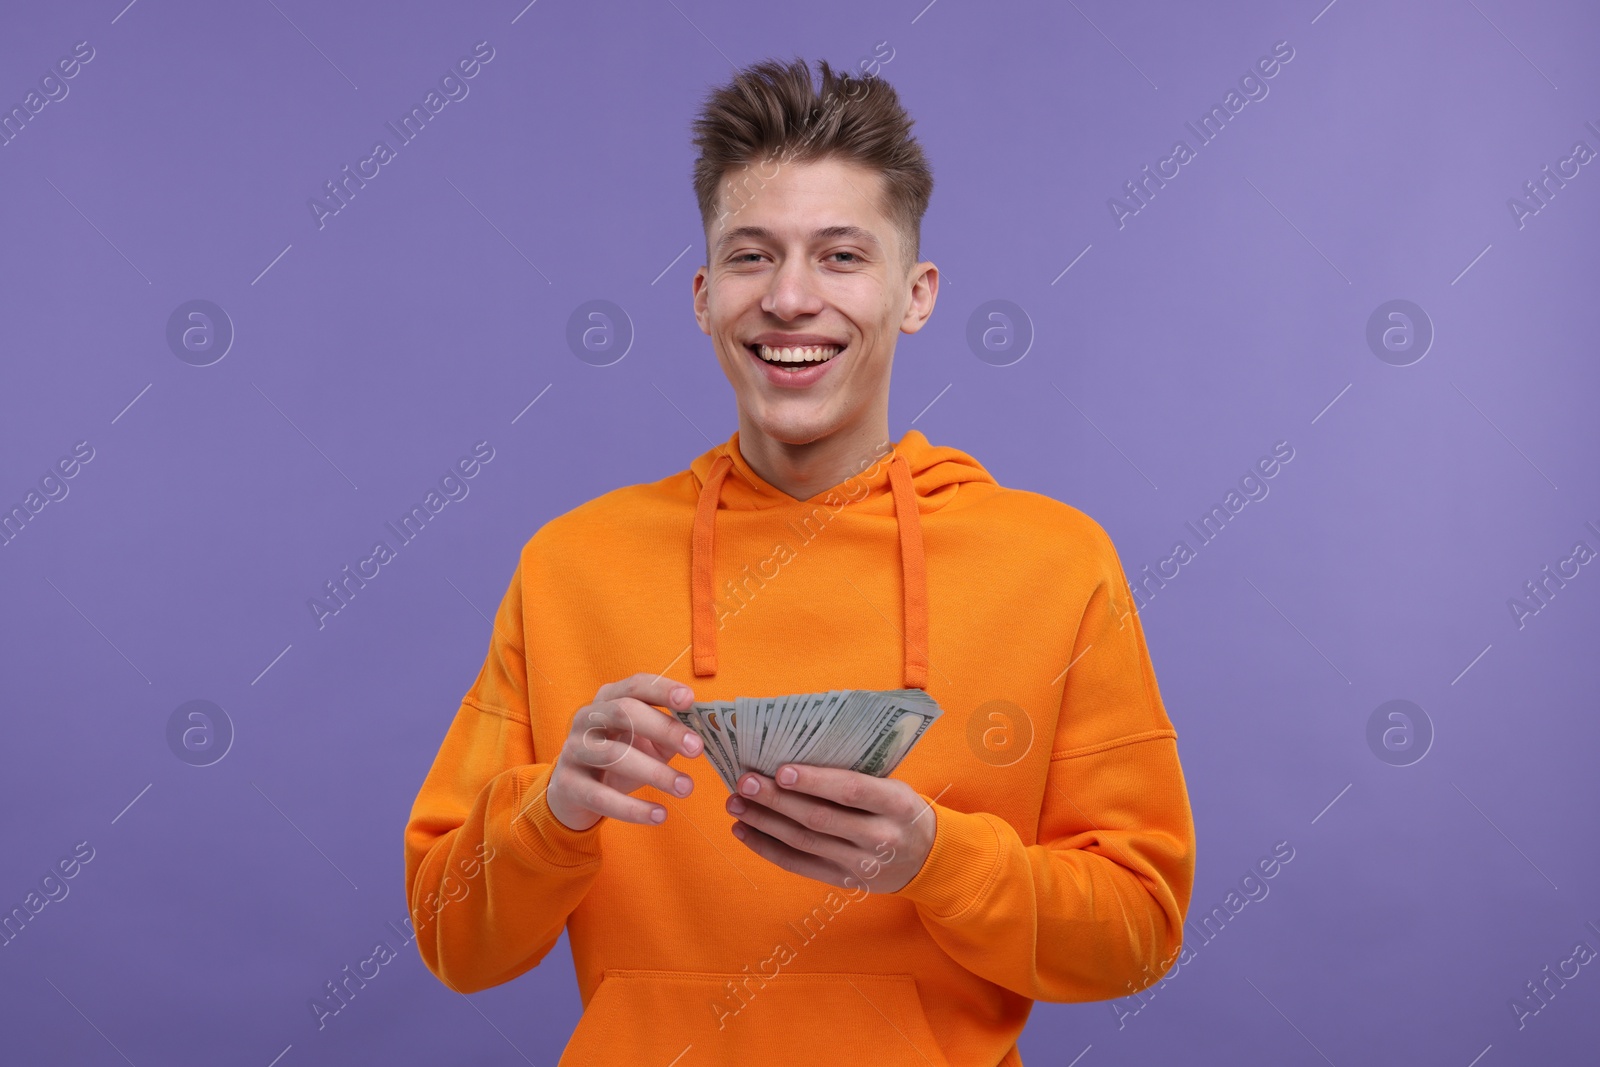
{"points": [[700, 286], [924, 293]]}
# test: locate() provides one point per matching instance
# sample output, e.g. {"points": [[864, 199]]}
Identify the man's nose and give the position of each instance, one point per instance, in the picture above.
{"points": [[793, 291]]}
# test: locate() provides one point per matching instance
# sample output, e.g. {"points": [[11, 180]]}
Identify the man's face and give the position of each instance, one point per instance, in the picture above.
{"points": [[802, 255]]}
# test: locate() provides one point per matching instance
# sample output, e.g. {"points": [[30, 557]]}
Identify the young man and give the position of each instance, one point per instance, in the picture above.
{"points": [[1037, 842]]}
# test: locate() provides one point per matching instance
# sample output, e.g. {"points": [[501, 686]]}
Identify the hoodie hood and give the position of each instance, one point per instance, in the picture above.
{"points": [[912, 479]]}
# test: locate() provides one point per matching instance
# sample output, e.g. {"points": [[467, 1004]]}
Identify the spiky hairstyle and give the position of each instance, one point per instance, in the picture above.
{"points": [[771, 114]]}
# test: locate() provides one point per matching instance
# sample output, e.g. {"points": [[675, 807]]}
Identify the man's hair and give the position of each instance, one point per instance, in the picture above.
{"points": [[771, 115]]}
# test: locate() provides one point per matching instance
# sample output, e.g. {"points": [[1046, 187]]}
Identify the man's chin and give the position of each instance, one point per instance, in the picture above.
{"points": [[793, 424]]}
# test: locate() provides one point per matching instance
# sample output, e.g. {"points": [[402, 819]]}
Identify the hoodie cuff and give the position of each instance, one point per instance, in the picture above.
{"points": [[541, 839], [960, 867]]}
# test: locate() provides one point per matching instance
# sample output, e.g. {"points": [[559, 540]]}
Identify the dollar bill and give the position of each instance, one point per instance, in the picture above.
{"points": [[865, 730]]}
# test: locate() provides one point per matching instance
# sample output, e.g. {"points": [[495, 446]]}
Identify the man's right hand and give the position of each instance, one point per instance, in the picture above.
{"points": [[617, 744]]}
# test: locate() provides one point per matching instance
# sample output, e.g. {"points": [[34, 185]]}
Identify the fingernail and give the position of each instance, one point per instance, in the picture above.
{"points": [[750, 787], [736, 806], [786, 776], [738, 831], [691, 745], [682, 785], [658, 814], [680, 695]]}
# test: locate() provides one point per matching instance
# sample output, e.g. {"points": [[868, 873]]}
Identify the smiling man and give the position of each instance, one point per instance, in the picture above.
{"points": [[1037, 844]]}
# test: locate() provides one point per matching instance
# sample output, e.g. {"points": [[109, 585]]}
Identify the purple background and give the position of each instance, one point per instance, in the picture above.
{"points": [[1229, 314]]}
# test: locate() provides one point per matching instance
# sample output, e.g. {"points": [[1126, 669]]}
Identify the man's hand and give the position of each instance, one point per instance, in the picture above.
{"points": [[836, 826], [617, 744]]}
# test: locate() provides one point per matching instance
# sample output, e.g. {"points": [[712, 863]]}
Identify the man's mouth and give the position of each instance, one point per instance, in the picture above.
{"points": [[796, 356]]}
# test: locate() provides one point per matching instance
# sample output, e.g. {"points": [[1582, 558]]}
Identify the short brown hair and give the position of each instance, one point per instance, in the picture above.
{"points": [[771, 109]]}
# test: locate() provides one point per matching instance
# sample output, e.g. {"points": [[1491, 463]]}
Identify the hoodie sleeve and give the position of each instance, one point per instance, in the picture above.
{"points": [[491, 874], [1095, 909]]}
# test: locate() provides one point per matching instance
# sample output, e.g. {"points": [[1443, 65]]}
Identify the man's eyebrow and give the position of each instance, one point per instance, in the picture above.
{"points": [[826, 233]]}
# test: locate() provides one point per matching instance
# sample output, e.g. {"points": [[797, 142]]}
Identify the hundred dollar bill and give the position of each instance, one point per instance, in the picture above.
{"points": [[864, 730]]}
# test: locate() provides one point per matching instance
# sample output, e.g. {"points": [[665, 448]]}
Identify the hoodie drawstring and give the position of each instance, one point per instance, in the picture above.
{"points": [[913, 572], [703, 618]]}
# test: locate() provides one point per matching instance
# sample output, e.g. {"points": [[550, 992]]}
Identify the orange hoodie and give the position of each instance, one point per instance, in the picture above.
{"points": [[1063, 855]]}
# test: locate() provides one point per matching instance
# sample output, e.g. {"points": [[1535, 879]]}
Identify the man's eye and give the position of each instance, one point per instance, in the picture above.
{"points": [[740, 258], [852, 255]]}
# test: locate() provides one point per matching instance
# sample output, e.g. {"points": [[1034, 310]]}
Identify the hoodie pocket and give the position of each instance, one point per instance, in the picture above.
{"points": [[792, 1019]]}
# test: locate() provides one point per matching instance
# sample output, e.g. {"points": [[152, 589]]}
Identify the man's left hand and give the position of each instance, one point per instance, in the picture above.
{"points": [[836, 826]]}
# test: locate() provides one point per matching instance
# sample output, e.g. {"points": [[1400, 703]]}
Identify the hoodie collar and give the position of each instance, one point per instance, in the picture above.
{"points": [[915, 477]]}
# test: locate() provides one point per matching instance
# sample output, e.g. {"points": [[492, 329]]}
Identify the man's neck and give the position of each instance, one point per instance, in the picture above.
{"points": [[805, 470]]}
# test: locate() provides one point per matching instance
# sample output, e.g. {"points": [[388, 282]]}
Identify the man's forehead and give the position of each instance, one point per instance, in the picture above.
{"points": [[813, 182]]}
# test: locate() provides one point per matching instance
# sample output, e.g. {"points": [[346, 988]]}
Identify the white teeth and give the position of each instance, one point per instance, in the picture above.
{"points": [[799, 354]]}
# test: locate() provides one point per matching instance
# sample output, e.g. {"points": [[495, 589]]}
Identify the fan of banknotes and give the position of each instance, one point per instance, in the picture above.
{"points": [[864, 730]]}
